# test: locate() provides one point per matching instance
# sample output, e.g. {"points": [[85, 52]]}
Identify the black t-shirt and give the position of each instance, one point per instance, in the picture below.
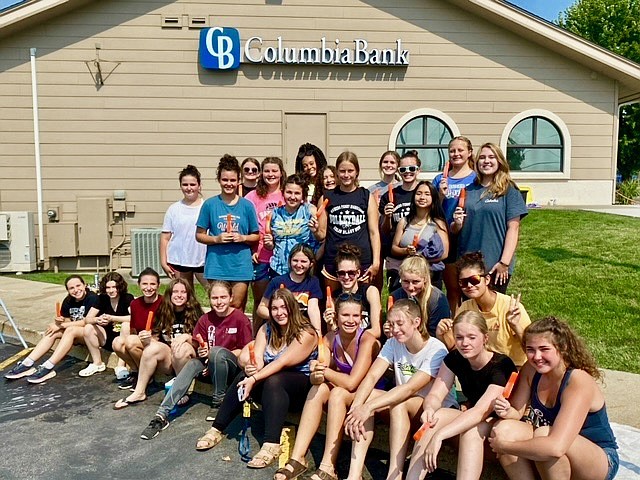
{"points": [[77, 310], [347, 222], [122, 309], [475, 382], [402, 203]]}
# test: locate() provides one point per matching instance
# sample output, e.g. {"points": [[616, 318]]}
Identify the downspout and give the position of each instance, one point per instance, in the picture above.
{"points": [[36, 141]]}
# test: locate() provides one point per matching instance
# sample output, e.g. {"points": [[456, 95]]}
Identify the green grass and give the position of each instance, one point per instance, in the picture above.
{"points": [[580, 266], [584, 267]]}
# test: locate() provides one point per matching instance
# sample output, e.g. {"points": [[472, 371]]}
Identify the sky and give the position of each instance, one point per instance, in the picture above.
{"points": [[547, 9]]}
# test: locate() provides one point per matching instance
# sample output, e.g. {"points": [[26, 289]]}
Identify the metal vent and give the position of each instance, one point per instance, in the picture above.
{"points": [[197, 21], [145, 250], [171, 21], [5, 255]]}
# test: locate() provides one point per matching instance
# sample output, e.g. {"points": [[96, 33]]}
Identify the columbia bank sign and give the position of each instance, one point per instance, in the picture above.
{"points": [[221, 49]]}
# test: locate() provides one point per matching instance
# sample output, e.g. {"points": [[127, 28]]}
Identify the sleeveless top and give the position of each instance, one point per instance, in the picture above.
{"points": [[270, 356], [360, 295], [596, 427], [346, 367], [347, 222]]}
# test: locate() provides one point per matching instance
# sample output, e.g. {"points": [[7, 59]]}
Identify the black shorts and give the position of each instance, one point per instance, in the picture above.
{"points": [[181, 269]]}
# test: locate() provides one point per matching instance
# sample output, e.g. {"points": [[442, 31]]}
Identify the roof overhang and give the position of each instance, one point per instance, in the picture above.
{"points": [[33, 13], [563, 42]]}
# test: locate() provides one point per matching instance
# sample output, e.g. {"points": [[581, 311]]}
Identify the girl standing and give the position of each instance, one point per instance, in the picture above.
{"points": [[348, 271], [228, 225], [279, 380], [327, 179], [416, 358], [506, 317], [352, 216], [459, 174], [388, 167], [490, 219], [265, 199], [483, 375], [567, 434], [113, 314], [250, 174], [167, 346], [423, 231], [181, 256], [309, 161], [352, 351]]}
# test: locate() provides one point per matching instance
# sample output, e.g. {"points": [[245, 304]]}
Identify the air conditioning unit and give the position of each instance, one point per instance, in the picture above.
{"points": [[145, 250], [17, 242]]}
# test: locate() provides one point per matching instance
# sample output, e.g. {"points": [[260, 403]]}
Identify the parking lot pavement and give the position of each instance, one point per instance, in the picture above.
{"points": [[66, 428]]}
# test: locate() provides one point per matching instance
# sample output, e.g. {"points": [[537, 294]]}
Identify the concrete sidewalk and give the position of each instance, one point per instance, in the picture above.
{"points": [[32, 306]]}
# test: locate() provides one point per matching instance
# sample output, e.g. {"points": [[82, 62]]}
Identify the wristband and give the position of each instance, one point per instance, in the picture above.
{"points": [[503, 264]]}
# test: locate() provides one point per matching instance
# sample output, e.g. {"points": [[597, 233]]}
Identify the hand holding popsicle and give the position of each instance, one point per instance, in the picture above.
{"points": [[252, 352], [322, 207]]}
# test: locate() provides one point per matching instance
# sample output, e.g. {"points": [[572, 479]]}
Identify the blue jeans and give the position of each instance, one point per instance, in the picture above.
{"points": [[614, 462], [223, 367]]}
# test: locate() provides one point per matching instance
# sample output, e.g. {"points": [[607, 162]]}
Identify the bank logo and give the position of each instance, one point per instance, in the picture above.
{"points": [[220, 48]]}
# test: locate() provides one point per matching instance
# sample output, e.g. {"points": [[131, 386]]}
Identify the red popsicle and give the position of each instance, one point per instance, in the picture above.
{"points": [[510, 384], [149, 321], [462, 198]]}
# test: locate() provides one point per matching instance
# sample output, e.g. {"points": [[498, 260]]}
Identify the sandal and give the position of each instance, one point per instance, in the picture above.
{"points": [[210, 439], [322, 475], [266, 456], [297, 470], [183, 401]]}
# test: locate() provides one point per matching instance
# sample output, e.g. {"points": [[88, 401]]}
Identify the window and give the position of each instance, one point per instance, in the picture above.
{"points": [[535, 144], [427, 131]]}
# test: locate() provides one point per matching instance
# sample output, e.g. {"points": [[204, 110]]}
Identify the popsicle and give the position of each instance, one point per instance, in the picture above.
{"points": [[267, 224], [418, 435], [252, 352], [149, 321], [510, 384], [445, 171], [462, 198], [229, 223], [58, 309], [330, 303], [322, 207]]}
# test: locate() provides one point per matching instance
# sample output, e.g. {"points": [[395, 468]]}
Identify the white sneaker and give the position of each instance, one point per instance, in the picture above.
{"points": [[121, 373], [91, 369]]}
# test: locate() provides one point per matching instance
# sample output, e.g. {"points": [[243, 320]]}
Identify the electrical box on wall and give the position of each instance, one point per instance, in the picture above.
{"points": [[93, 226], [62, 239]]}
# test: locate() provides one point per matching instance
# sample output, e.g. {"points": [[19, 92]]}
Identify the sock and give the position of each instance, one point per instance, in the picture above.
{"points": [[48, 365], [27, 362]]}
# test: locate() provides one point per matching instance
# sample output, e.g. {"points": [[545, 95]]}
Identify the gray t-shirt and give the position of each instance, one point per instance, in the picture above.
{"points": [[485, 226]]}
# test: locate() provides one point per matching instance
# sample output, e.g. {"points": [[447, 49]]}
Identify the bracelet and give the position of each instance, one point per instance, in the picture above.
{"points": [[254, 378], [503, 264]]}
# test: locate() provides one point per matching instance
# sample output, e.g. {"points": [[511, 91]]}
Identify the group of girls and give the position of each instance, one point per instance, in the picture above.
{"points": [[277, 236]]}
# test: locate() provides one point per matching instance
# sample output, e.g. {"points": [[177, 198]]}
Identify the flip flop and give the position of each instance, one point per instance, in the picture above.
{"points": [[124, 403]]}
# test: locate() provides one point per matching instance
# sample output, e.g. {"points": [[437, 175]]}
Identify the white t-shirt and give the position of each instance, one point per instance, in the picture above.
{"points": [[180, 220], [405, 363]]}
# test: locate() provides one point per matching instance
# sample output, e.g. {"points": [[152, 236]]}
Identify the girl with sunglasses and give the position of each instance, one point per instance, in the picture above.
{"points": [[416, 285], [415, 357], [265, 199], [567, 433], [352, 352], [229, 227], [310, 160], [301, 282], [351, 216], [490, 220], [250, 174], [422, 232], [348, 271], [392, 212], [279, 379], [483, 375], [505, 316], [459, 175]]}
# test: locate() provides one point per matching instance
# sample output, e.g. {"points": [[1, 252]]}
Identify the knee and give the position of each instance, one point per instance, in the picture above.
{"points": [[89, 330], [184, 352], [131, 341], [504, 430], [118, 344], [541, 432], [339, 396]]}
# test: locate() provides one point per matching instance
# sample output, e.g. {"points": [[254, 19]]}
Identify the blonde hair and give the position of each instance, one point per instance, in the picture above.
{"points": [[502, 178], [472, 318], [418, 265], [410, 309]]}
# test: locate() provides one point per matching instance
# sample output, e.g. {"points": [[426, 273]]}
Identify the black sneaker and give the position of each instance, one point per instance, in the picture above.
{"points": [[20, 371], [42, 375], [211, 416], [156, 425], [129, 383]]}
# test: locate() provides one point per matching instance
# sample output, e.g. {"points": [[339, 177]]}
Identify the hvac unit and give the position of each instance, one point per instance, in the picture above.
{"points": [[17, 242], [145, 250]]}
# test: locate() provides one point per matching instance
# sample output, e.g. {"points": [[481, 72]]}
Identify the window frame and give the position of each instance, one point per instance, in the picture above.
{"points": [[412, 115], [566, 145]]}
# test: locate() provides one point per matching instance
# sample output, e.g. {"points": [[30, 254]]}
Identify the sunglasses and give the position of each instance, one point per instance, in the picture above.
{"points": [[347, 273], [409, 169], [343, 297], [250, 170], [473, 281]]}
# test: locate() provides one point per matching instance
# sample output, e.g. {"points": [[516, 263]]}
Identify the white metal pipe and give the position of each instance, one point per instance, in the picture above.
{"points": [[36, 141]]}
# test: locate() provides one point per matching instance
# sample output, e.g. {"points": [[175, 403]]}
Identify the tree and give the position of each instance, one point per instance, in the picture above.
{"points": [[615, 25]]}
